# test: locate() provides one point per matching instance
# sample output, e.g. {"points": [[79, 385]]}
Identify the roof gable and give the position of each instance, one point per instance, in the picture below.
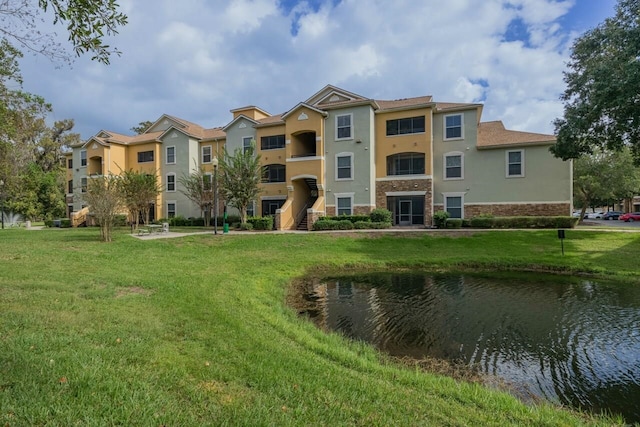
{"points": [[303, 105], [239, 118], [332, 94], [165, 122]]}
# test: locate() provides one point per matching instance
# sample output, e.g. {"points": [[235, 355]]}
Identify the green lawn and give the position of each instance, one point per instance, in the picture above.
{"points": [[195, 330]]}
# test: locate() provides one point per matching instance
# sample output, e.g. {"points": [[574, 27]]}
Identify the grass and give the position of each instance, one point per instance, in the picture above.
{"points": [[195, 330]]}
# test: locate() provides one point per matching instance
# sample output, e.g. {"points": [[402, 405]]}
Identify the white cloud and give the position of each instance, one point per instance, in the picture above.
{"points": [[200, 59]]}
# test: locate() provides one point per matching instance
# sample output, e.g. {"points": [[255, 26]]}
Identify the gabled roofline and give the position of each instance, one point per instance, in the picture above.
{"points": [[166, 116], [93, 139], [304, 105], [406, 108], [172, 128], [312, 100], [249, 107], [241, 116]]}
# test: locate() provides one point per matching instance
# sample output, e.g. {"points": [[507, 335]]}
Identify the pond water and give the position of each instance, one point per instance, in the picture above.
{"points": [[571, 341]]}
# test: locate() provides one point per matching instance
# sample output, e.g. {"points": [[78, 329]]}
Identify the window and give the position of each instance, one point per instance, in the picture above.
{"points": [[272, 142], [344, 166], [453, 127], [171, 155], [70, 164], [171, 182], [406, 164], [251, 209], [405, 126], [206, 154], [453, 166], [83, 158], [344, 127], [207, 182], [145, 156], [274, 173], [247, 144], [269, 206], [343, 205], [70, 186], [453, 205], [171, 210], [83, 185], [515, 163]]}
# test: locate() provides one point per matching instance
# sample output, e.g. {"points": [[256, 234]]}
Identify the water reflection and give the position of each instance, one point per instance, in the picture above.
{"points": [[575, 342]]}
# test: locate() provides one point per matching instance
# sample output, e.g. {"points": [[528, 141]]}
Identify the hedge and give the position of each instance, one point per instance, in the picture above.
{"points": [[261, 223], [521, 222]]}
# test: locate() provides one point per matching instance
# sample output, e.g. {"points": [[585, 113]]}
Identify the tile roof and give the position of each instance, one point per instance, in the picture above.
{"points": [[271, 120], [493, 135], [454, 105]]}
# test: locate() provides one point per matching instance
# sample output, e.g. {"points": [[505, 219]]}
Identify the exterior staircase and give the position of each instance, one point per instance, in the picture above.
{"points": [[302, 220], [79, 218]]}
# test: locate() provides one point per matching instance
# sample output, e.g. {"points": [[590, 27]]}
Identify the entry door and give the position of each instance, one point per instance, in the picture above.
{"points": [[405, 212]]}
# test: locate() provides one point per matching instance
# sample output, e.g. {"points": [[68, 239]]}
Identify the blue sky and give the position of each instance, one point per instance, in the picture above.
{"points": [[201, 59]]}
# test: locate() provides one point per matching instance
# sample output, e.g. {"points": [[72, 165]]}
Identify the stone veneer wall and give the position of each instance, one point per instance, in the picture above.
{"points": [[383, 187], [520, 209], [357, 210]]}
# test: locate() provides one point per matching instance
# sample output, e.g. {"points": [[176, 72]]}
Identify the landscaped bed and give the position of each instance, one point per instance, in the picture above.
{"points": [[195, 330]]}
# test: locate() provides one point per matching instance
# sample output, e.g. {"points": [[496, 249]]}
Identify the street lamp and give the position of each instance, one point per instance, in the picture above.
{"points": [[2, 201], [215, 194]]}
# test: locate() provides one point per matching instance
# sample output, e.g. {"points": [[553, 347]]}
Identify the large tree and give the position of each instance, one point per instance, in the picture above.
{"points": [[602, 101], [138, 190], [88, 22], [603, 177], [241, 174]]}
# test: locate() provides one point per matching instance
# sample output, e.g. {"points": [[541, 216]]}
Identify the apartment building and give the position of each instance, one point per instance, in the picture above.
{"points": [[341, 153]]}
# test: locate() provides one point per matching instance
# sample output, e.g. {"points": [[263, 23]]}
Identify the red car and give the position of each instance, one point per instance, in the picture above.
{"points": [[630, 217]]}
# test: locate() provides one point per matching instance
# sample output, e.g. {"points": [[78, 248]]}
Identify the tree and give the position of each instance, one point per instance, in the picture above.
{"points": [[105, 201], [601, 103], [604, 176], [241, 174], [87, 22], [198, 187], [138, 190], [142, 127]]}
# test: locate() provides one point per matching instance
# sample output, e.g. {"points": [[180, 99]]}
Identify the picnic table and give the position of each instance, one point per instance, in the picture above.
{"points": [[153, 229]]}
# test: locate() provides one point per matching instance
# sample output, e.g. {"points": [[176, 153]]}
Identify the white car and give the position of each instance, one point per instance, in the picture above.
{"points": [[593, 215]]}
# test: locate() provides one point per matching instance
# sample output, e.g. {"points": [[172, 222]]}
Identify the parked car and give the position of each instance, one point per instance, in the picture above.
{"points": [[630, 217], [594, 215], [612, 215]]}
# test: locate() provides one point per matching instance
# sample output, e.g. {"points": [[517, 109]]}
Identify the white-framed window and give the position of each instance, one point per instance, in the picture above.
{"points": [[344, 203], [454, 204], [83, 158], [453, 166], [83, 184], [171, 209], [207, 182], [171, 155], [404, 126], [206, 154], [171, 182], [247, 143], [344, 126], [514, 163], [453, 126], [251, 209], [344, 166]]}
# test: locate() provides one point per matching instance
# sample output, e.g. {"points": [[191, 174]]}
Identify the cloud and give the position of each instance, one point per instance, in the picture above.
{"points": [[200, 59]]}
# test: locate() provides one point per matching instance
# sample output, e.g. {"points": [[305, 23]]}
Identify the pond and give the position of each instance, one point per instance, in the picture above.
{"points": [[571, 341]]}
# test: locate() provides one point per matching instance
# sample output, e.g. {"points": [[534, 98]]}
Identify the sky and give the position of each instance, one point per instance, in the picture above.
{"points": [[198, 59]]}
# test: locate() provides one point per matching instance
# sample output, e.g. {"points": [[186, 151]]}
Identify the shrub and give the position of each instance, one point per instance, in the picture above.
{"points": [[48, 223], [362, 225], [246, 226], [440, 219], [261, 223], [65, 223], [482, 222], [120, 220], [350, 218], [380, 215], [522, 222], [345, 225], [379, 225], [453, 223], [325, 224]]}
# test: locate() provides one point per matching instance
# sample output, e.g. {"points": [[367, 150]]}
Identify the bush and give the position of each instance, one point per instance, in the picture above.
{"points": [[380, 215], [521, 222], [65, 223], [246, 226], [120, 220], [362, 225], [379, 225], [324, 224], [261, 223], [350, 218], [483, 222], [440, 219], [453, 223], [48, 223]]}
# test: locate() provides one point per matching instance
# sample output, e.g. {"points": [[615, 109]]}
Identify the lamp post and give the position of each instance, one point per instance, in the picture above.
{"points": [[215, 194], [2, 201]]}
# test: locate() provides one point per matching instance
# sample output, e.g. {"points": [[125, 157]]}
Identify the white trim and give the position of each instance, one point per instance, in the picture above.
{"points": [[444, 127], [210, 147], [166, 155], [86, 159], [303, 176], [506, 155], [458, 194], [405, 193], [351, 166], [344, 196], [251, 138], [444, 165], [305, 159], [404, 178], [350, 115], [175, 182], [175, 204]]}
